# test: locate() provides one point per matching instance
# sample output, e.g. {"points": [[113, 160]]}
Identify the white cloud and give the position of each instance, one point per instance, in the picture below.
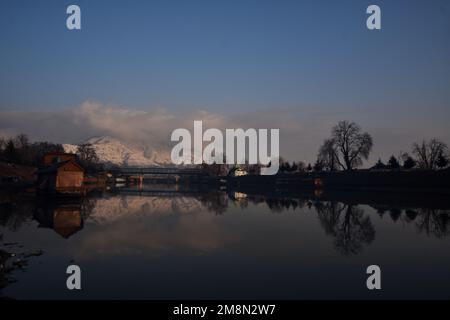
{"points": [[301, 130]]}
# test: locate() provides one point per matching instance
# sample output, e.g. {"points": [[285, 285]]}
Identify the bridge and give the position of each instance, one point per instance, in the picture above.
{"points": [[137, 171], [136, 175]]}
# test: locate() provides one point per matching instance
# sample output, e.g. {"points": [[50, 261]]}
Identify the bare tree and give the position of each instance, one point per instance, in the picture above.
{"points": [[22, 144], [427, 153], [327, 157], [88, 157], [348, 145], [2, 143], [21, 141]]}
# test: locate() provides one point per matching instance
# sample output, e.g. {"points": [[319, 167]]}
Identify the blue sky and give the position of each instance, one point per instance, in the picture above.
{"points": [[229, 57]]}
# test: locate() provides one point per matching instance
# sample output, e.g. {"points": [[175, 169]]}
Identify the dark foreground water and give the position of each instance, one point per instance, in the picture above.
{"points": [[163, 245]]}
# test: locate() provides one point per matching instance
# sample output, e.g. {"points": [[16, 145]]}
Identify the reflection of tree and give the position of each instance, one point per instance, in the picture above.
{"points": [[348, 225], [395, 213], [278, 205], [274, 205], [410, 215], [216, 202], [434, 222], [87, 205]]}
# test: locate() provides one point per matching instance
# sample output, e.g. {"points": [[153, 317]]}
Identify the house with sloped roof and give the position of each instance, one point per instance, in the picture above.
{"points": [[64, 177]]}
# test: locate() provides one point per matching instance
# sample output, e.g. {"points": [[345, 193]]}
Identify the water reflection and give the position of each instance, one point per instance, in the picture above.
{"points": [[259, 230], [350, 227], [65, 219], [432, 222], [346, 222]]}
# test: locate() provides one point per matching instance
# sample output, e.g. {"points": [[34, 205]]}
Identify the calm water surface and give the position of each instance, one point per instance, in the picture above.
{"points": [[168, 245]]}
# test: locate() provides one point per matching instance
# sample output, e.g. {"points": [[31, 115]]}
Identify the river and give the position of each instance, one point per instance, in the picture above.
{"points": [[166, 244]]}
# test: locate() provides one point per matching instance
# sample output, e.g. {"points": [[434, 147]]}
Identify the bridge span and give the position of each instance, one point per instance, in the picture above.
{"points": [[140, 171]]}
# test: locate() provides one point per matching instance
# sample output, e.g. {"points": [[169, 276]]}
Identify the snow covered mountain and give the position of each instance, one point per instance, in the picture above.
{"points": [[116, 152]]}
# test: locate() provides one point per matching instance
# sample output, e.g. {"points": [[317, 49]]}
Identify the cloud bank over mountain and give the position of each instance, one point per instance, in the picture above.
{"points": [[149, 128], [302, 130]]}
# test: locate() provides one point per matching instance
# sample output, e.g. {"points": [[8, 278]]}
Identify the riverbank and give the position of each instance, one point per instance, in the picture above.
{"points": [[369, 180]]}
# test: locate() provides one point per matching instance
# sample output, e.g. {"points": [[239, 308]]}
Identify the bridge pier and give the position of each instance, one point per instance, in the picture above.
{"points": [[141, 180]]}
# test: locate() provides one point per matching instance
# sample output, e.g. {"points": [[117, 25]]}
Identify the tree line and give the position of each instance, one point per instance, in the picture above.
{"points": [[20, 150], [348, 146]]}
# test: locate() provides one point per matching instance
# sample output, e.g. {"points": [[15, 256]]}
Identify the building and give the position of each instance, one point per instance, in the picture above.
{"points": [[61, 174]]}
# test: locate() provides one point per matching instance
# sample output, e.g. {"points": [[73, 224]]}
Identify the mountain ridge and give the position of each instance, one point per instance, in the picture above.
{"points": [[114, 151]]}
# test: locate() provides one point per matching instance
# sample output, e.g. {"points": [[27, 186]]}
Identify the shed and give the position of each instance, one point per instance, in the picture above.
{"points": [[61, 177]]}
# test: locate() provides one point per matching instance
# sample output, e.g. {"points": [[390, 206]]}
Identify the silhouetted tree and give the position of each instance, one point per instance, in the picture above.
{"points": [[327, 156], [393, 163], [21, 141], [288, 167], [442, 161], [318, 166], [285, 166], [10, 153], [309, 167], [2, 144], [38, 149], [294, 167], [22, 145], [19, 150], [379, 165], [427, 153], [300, 166], [349, 144], [282, 165], [408, 162]]}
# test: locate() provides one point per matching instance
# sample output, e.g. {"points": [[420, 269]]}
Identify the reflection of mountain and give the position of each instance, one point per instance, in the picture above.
{"points": [[107, 210], [133, 224], [130, 223], [117, 152]]}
